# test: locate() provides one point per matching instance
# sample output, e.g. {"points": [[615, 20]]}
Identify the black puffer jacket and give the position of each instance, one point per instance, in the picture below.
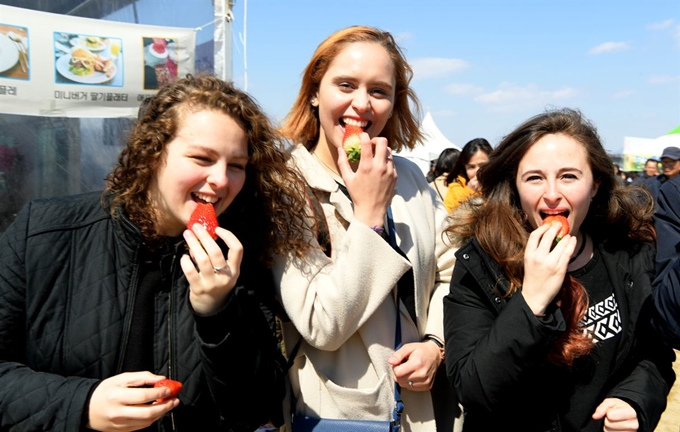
{"points": [[496, 349], [68, 276]]}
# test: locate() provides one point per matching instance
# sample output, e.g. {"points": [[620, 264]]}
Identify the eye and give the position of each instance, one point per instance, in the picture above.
{"points": [[345, 86], [201, 158], [237, 167], [533, 178], [379, 92], [570, 176]]}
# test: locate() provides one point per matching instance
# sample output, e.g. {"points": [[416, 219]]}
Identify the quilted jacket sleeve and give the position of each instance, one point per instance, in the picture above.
{"points": [[667, 283], [240, 351], [29, 400]]}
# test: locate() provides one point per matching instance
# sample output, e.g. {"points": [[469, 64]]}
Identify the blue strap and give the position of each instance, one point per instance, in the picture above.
{"points": [[399, 404]]}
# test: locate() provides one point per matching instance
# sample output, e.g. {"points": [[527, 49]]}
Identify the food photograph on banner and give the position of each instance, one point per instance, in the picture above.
{"points": [[14, 58], [88, 59], [160, 62]]}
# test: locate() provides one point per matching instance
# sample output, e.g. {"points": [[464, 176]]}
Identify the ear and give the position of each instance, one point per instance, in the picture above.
{"points": [[593, 191]]}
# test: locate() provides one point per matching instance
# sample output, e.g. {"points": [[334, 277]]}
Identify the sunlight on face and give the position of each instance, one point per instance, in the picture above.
{"points": [[554, 177], [359, 85]]}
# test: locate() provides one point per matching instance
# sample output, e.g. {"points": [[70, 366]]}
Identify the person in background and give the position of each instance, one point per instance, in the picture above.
{"points": [[430, 173], [651, 170], [461, 181], [445, 162], [670, 166], [548, 323], [379, 253], [106, 294]]}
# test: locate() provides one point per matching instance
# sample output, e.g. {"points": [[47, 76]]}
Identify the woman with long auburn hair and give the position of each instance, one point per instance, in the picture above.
{"points": [[380, 262], [547, 322]]}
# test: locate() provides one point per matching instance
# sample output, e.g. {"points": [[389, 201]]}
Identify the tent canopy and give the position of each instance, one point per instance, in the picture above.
{"points": [[432, 145]]}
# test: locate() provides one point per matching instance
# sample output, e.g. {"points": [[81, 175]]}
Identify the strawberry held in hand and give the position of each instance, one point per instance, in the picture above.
{"points": [[174, 386], [204, 214], [562, 220], [352, 143]]}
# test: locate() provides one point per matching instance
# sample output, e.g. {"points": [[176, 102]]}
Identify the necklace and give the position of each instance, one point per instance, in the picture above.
{"points": [[326, 165], [580, 251]]}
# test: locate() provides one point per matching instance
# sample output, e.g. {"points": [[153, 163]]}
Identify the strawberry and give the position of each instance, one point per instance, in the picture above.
{"points": [[204, 214], [174, 386], [561, 219], [352, 143]]}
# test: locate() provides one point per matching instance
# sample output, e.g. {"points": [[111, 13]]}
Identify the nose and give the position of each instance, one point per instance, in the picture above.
{"points": [[361, 101], [217, 178], [551, 194]]}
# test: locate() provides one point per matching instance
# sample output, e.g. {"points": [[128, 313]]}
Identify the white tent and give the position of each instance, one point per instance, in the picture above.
{"points": [[430, 148]]}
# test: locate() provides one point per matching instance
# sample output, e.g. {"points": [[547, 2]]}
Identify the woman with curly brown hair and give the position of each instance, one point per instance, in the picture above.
{"points": [[548, 333], [105, 295]]}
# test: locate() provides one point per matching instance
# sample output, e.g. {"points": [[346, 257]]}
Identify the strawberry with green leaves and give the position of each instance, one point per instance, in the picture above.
{"points": [[351, 142], [204, 214], [564, 230]]}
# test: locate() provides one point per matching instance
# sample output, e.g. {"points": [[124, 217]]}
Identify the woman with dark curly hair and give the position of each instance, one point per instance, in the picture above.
{"points": [[105, 295], [547, 333]]}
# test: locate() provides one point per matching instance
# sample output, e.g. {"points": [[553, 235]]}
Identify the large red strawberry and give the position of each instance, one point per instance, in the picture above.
{"points": [[174, 386], [204, 214], [564, 230], [352, 143]]}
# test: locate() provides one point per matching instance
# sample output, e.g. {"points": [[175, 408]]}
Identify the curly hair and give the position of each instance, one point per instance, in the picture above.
{"points": [[267, 215], [618, 215], [302, 126]]}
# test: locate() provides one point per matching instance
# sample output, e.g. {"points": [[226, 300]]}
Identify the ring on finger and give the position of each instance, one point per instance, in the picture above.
{"points": [[410, 383], [220, 268]]}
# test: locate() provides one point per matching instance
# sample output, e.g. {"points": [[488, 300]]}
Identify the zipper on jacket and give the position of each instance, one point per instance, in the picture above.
{"points": [[170, 346], [129, 312]]}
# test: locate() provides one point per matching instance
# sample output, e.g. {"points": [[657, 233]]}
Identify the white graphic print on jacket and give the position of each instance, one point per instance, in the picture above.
{"points": [[603, 320]]}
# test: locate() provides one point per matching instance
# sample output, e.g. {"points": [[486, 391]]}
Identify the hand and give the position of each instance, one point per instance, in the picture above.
{"points": [[120, 403], [544, 270], [474, 184], [208, 289], [372, 185], [618, 415], [416, 363]]}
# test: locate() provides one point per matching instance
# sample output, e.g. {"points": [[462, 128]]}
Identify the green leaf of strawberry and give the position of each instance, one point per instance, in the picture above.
{"points": [[204, 214], [351, 142], [174, 386], [564, 230]]}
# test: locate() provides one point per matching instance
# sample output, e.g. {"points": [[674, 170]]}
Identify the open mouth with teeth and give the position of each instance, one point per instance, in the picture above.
{"points": [[545, 214], [204, 199]]}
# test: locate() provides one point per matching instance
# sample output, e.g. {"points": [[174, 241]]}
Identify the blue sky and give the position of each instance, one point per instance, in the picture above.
{"points": [[484, 66]]}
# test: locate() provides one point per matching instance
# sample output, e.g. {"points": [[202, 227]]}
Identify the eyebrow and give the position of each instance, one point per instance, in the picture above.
{"points": [[350, 78], [562, 170], [213, 153]]}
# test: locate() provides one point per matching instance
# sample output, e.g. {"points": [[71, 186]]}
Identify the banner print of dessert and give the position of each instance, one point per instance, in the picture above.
{"points": [[14, 58], [88, 59], [160, 62]]}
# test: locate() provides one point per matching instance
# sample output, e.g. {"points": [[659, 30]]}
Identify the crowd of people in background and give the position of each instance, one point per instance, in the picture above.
{"points": [[529, 285]]}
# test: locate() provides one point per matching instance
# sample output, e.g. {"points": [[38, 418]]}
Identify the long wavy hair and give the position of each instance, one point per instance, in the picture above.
{"points": [[302, 125], [267, 215], [619, 216]]}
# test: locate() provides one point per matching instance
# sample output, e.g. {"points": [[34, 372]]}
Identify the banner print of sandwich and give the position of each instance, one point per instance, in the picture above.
{"points": [[88, 60]]}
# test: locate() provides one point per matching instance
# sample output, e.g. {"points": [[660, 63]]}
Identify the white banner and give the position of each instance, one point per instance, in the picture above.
{"points": [[58, 65]]}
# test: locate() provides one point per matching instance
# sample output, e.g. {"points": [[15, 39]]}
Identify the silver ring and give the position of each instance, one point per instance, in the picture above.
{"points": [[410, 383], [218, 269]]}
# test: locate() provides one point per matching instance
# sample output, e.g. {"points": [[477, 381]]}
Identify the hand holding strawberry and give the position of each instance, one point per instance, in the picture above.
{"points": [[174, 386], [563, 221]]}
